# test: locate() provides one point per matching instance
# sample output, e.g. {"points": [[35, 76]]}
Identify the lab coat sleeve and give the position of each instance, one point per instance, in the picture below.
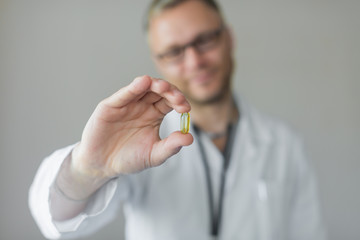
{"points": [[306, 222], [101, 209]]}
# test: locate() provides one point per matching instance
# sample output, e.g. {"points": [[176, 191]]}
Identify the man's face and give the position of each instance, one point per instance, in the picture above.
{"points": [[204, 69]]}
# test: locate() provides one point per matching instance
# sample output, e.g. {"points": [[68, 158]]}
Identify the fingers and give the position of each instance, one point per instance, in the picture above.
{"points": [[132, 92], [169, 146], [170, 99], [151, 97], [165, 106], [166, 97], [162, 94]]}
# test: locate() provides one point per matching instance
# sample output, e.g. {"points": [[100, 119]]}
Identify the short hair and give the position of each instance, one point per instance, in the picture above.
{"points": [[158, 6]]}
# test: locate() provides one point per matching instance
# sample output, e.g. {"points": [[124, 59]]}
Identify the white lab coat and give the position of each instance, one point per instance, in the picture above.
{"points": [[270, 191]]}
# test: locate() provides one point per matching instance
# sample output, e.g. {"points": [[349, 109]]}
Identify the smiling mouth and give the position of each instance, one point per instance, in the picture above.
{"points": [[202, 79]]}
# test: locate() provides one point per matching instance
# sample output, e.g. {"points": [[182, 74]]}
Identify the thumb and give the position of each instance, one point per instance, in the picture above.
{"points": [[169, 146]]}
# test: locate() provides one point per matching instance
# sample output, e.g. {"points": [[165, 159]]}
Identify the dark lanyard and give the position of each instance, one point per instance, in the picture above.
{"points": [[216, 216]]}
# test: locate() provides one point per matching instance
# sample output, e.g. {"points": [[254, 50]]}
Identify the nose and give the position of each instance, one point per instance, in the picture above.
{"points": [[193, 58]]}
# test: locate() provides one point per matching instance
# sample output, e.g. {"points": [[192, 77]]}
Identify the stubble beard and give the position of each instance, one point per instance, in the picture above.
{"points": [[218, 96], [215, 98]]}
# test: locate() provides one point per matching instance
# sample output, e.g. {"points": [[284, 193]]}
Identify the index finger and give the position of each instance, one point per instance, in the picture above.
{"points": [[132, 92], [171, 97]]}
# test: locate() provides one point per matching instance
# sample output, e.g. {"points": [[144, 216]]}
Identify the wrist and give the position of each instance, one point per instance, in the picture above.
{"points": [[82, 166], [56, 189], [76, 185]]}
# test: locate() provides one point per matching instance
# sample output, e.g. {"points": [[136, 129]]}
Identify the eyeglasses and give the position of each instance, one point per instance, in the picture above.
{"points": [[201, 43]]}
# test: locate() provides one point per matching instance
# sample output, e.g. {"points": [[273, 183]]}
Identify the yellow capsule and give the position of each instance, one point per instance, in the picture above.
{"points": [[185, 122]]}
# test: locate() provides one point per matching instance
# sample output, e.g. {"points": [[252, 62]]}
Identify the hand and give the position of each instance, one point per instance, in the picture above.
{"points": [[122, 135]]}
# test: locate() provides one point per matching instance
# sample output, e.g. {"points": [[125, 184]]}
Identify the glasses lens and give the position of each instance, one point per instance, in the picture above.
{"points": [[172, 55], [208, 40], [202, 43]]}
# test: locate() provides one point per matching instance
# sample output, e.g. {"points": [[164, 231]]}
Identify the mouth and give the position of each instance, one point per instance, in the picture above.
{"points": [[203, 78]]}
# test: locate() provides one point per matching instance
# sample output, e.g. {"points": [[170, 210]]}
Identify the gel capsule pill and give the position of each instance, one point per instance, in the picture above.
{"points": [[185, 122]]}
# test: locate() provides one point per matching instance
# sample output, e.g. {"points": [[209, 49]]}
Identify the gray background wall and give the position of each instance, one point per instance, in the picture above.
{"points": [[298, 60]]}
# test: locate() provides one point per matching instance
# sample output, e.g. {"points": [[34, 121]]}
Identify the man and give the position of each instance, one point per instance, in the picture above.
{"points": [[244, 177]]}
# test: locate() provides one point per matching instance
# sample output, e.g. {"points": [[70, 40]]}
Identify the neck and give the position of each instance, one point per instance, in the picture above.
{"points": [[215, 117]]}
